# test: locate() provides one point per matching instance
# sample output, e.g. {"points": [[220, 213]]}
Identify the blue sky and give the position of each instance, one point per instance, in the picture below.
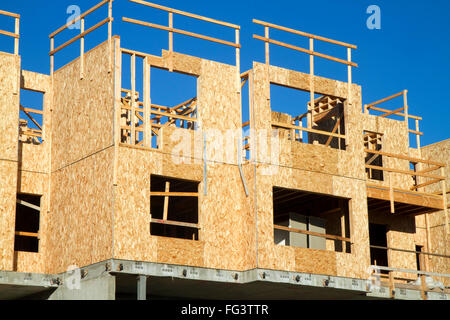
{"points": [[411, 51]]}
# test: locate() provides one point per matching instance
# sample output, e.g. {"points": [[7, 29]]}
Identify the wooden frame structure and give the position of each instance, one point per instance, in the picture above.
{"points": [[16, 33], [403, 112], [171, 30], [34, 134], [151, 115], [82, 34], [310, 52]]}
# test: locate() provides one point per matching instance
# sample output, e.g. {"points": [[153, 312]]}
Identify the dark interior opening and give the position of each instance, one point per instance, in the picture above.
{"points": [[378, 237], [373, 141], [313, 212], [418, 259], [180, 209], [27, 220]]}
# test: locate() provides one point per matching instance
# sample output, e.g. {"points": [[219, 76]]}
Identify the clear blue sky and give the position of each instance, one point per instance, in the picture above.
{"points": [[411, 51]]}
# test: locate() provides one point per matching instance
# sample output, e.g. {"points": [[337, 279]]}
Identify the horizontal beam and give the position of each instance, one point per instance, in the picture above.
{"points": [[176, 223], [31, 110], [411, 251], [416, 132], [170, 115], [290, 126], [301, 33], [327, 236], [426, 194], [174, 194], [408, 172], [98, 25], [31, 134], [10, 14], [10, 34], [282, 44], [398, 156], [79, 18], [390, 113], [400, 114], [27, 234], [426, 184], [186, 14], [435, 274], [186, 33], [29, 205], [386, 99]]}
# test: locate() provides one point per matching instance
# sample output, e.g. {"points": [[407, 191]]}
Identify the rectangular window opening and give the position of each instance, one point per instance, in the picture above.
{"points": [[373, 141], [311, 220], [378, 245], [321, 124], [27, 223], [172, 99], [174, 208], [31, 116]]}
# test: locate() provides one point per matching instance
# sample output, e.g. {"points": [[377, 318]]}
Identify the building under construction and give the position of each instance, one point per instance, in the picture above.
{"points": [[106, 195]]}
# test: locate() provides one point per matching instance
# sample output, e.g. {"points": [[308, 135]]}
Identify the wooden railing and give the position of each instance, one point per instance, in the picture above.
{"points": [[310, 52], [82, 34], [402, 112], [170, 28], [16, 33], [422, 274]]}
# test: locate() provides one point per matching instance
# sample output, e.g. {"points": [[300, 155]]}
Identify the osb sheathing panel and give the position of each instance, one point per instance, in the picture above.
{"points": [[82, 118], [395, 140], [439, 239], [29, 262], [219, 117], [296, 154], [8, 180], [9, 110], [79, 229]]}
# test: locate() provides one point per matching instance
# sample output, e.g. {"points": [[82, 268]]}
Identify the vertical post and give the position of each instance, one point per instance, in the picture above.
{"points": [[238, 62], [171, 42], [418, 137], [142, 288], [349, 70], [427, 226], [17, 32], [391, 193], [266, 30], [147, 104], [444, 196], [166, 202], [311, 83], [391, 284], [52, 57], [423, 283], [110, 34], [82, 51], [133, 100], [405, 102]]}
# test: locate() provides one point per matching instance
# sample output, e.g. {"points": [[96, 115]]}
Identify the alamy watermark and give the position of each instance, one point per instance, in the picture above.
{"points": [[374, 20], [74, 11]]}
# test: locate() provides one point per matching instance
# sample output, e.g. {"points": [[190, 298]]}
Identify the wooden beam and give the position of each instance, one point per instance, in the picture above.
{"points": [[166, 201], [301, 33], [186, 33], [392, 112], [9, 14], [316, 234], [9, 34], [408, 172], [173, 194], [29, 205], [98, 25], [338, 123], [282, 44], [399, 156], [290, 126], [385, 99], [27, 234], [187, 14], [425, 184], [170, 115], [400, 114], [176, 223], [68, 24]]}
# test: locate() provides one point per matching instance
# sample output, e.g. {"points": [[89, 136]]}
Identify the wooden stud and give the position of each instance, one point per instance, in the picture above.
{"points": [[171, 42], [133, 100], [349, 71], [82, 51], [418, 138], [311, 83], [444, 198], [267, 45], [147, 104], [52, 57], [166, 201], [17, 32], [238, 62], [110, 34], [391, 284], [391, 193]]}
